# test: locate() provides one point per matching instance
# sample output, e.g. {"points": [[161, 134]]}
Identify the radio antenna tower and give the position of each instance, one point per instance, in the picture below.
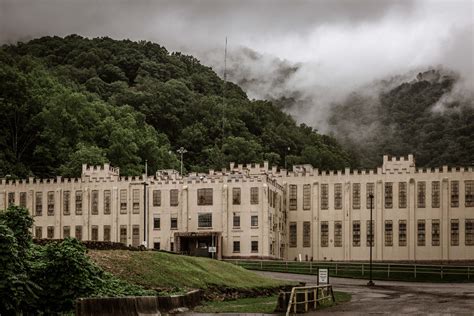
{"points": [[223, 92]]}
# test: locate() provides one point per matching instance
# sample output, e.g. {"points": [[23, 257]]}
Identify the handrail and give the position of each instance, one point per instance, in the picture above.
{"points": [[293, 302]]}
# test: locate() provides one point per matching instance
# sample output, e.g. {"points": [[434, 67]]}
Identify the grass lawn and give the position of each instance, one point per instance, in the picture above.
{"points": [[258, 304]]}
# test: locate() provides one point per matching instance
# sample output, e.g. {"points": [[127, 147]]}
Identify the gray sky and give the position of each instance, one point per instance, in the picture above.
{"points": [[320, 49]]}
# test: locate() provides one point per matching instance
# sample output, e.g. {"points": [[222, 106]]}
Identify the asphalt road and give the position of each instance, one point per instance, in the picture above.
{"points": [[393, 297]]}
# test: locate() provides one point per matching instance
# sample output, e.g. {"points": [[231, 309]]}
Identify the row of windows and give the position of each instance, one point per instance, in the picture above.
{"points": [[253, 246], [388, 233]]}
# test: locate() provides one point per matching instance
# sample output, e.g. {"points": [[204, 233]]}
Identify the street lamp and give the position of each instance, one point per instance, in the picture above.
{"points": [[286, 155], [371, 197], [182, 151]]}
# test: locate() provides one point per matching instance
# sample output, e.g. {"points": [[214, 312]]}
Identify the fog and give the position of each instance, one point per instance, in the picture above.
{"points": [[315, 52]]}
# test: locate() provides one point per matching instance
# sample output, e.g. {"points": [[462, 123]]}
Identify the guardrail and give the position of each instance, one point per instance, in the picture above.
{"points": [[310, 294], [380, 271]]}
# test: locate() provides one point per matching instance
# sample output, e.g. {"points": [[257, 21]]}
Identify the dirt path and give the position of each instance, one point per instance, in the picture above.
{"points": [[391, 297]]}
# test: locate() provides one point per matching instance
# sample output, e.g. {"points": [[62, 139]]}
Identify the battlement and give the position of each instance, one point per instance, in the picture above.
{"points": [[250, 168], [100, 172], [396, 164]]}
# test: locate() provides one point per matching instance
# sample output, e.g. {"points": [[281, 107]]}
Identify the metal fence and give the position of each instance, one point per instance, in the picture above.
{"points": [[380, 271]]}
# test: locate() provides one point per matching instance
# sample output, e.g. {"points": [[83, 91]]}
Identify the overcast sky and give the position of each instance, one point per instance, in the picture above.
{"points": [[321, 48]]}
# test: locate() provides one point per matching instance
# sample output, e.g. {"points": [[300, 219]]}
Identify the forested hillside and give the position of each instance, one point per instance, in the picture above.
{"points": [[68, 101]]}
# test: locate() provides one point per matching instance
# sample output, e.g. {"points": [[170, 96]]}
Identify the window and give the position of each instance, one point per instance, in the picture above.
{"points": [[435, 194], [174, 223], [236, 220], [205, 220], [67, 202], [306, 196], [388, 234], [107, 201], [156, 222], [356, 233], [454, 193], [421, 189], [254, 220], [388, 195], [469, 193], [123, 201], [78, 202], [50, 232], [338, 196], [39, 232], [254, 195], [421, 232], [79, 232], [136, 201], [11, 198], [123, 234], [324, 196], [370, 233], [66, 231], [254, 245], [402, 233], [236, 246], [156, 245], [39, 203], [136, 235], [293, 197], [469, 232], [293, 234], [50, 203], [306, 234], [174, 197], [338, 234], [23, 199], [370, 190], [106, 232], [356, 196], [236, 196], [157, 198], [402, 195], [204, 196], [454, 232], [94, 233], [324, 234], [95, 202], [435, 232]]}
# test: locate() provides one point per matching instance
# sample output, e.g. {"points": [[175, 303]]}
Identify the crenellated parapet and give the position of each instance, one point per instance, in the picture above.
{"points": [[105, 172]]}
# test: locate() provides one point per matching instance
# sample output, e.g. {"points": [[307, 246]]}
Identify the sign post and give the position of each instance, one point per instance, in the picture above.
{"points": [[323, 276]]}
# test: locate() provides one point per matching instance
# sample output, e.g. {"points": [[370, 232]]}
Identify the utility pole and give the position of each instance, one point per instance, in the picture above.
{"points": [[371, 197], [145, 183], [182, 151]]}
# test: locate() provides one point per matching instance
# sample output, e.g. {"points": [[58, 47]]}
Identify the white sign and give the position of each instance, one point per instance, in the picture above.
{"points": [[323, 276], [212, 249]]}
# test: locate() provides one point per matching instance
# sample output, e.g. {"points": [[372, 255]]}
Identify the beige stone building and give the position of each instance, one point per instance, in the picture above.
{"points": [[258, 211]]}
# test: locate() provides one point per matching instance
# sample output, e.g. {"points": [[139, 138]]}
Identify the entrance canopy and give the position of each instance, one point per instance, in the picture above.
{"points": [[200, 244]]}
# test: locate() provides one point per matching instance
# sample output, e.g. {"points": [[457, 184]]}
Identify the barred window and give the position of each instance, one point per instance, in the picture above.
{"points": [[106, 232], [78, 202], [388, 234], [402, 195], [204, 196], [254, 246], [156, 222], [388, 194], [324, 234], [136, 235], [293, 197], [454, 193], [435, 194], [306, 196], [66, 231], [95, 202], [370, 233], [469, 232], [356, 233], [254, 195], [123, 201], [421, 203], [39, 232], [454, 232], [174, 223], [79, 232], [338, 234], [421, 232], [107, 202], [23, 199], [67, 202], [402, 233], [356, 196], [306, 234], [136, 201], [324, 196], [123, 234], [156, 245], [156, 197], [338, 196], [254, 221], [11, 198], [469, 193], [293, 235], [435, 236], [369, 191], [236, 246], [50, 203], [236, 196], [174, 197], [236, 221], [94, 232], [50, 232], [205, 220], [39, 203]]}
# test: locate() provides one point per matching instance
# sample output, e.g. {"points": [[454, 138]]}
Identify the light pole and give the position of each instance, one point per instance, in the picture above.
{"points": [[182, 151], [371, 197], [286, 155]]}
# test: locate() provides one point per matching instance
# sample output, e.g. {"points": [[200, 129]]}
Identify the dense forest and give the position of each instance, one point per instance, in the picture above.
{"points": [[73, 100]]}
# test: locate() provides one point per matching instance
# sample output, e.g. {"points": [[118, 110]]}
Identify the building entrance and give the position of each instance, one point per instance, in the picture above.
{"points": [[199, 244]]}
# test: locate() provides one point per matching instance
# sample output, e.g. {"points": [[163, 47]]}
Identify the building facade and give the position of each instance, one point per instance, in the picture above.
{"points": [[262, 212]]}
